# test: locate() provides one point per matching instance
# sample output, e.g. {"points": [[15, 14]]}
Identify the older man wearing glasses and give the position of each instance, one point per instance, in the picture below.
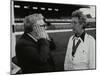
{"points": [[33, 48]]}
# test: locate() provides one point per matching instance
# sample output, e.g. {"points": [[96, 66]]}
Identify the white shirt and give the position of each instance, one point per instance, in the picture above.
{"points": [[84, 57]]}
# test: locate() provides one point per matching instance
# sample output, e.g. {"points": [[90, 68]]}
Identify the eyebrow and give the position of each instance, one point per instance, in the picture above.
{"points": [[43, 25]]}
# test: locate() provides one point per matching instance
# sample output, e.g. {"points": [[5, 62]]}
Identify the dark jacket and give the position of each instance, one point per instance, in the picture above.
{"points": [[34, 57]]}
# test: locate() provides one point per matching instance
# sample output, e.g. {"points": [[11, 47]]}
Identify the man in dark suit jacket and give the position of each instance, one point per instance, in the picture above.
{"points": [[33, 48]]}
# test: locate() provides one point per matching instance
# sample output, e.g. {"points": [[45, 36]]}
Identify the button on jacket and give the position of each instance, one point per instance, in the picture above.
{"points": [[84, 57]]}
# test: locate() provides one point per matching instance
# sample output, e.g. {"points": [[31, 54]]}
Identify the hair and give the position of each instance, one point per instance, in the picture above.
{"points": [[81, 17], [30, 21]]}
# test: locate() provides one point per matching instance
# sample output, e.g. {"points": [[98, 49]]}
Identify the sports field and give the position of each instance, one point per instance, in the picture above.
{"points": [[61, 40]]}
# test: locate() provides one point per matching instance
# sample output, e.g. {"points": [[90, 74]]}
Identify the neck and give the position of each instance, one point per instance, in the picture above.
{"points": [[80, 33]]}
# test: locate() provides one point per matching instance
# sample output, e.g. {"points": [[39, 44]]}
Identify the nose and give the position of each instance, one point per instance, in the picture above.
{"points": [[42, 22]]}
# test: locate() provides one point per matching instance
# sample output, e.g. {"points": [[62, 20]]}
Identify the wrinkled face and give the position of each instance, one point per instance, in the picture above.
{"points": [[77, 28], [41, 23], [39, 27]]}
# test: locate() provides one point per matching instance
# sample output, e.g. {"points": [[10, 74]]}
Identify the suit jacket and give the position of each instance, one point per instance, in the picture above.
{"points": [[34, 57]]}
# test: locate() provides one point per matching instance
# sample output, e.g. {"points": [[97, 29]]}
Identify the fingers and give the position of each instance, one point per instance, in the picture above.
{"points": [[40, 31]]}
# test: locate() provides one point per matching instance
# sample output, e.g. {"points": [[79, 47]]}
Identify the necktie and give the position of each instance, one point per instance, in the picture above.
{"points": [[74, 48]]}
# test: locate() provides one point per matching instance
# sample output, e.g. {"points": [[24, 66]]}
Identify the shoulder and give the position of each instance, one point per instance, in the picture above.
{"points": [[24, 41], [71, 38], [21, 42], [89, 37]]}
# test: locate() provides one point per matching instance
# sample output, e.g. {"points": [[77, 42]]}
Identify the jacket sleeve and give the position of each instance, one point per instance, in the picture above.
{"points": [[67, 62], [92, 51], [43, 47], [52, 45]]}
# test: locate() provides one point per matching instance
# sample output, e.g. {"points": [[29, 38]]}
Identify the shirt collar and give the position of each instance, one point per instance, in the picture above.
{"points": [[32, 37], [82, 36]]}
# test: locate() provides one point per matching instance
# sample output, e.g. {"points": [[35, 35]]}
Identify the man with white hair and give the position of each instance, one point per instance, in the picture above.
{"points": [[80, 54], [33, 48]]}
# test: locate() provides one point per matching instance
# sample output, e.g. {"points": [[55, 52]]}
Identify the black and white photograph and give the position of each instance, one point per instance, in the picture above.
{"points": [[52, 37]]}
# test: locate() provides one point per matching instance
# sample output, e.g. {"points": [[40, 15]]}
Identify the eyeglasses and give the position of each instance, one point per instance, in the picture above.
{"points": [[44, 25]]}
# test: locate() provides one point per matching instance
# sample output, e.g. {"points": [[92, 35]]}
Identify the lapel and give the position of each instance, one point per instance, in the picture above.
{"points": [[74, 47]]}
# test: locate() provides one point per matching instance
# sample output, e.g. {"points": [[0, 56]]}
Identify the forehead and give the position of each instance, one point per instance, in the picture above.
{"points": [[40, 22]]}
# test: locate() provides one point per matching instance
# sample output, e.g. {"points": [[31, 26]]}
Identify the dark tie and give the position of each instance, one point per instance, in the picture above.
{"points": [[74, 48]]}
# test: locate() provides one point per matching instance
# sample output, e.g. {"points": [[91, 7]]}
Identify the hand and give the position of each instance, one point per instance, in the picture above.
{"points": [[41, 33]]}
